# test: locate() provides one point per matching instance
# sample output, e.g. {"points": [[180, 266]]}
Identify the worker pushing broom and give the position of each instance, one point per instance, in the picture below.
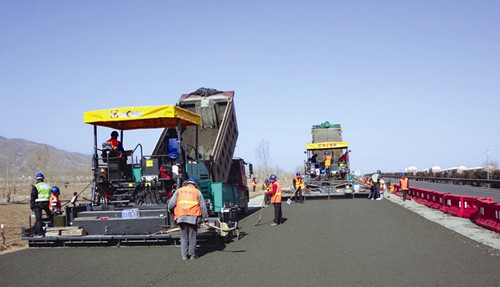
{"points": [[266, 200], [275, 193]]}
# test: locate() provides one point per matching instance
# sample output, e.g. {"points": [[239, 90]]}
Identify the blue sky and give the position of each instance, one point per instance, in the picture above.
{"points": [[413, 83]]}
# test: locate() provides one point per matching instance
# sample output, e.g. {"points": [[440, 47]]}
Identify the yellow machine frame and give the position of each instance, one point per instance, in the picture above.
{"points": [[326, 145]]}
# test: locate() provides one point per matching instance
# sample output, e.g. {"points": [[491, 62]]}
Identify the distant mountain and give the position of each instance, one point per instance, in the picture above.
{"points": [[22, 156]]}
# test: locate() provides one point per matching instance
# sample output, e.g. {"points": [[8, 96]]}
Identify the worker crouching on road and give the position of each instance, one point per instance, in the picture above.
{"points": [[275, 193], [55, 203], [189, 209], [39, 201]]}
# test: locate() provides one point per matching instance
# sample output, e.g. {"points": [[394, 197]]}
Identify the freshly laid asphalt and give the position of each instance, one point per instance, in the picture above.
{"points": [[339, 242]]}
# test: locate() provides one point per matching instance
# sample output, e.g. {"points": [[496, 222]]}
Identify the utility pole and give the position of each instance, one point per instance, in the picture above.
{"points": [[487, 153]]}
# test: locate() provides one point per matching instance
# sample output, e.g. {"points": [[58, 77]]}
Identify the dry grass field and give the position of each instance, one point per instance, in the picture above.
{"points": [[15, 215]]}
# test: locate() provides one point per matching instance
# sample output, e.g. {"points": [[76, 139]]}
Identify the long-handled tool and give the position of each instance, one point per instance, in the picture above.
{"points": [[289, 200], [223, 228], [260, 212]]}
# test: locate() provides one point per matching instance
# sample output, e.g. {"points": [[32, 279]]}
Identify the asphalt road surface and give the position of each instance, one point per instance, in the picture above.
{"points": [[340, 242]]}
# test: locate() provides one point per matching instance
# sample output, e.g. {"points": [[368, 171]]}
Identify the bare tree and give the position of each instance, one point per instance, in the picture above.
{"points": [[10, 173], [40, 160], [262, 153], [263, 156]]}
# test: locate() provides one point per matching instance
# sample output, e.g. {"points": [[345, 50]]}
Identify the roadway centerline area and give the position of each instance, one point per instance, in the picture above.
{"points": [[339, 242]]}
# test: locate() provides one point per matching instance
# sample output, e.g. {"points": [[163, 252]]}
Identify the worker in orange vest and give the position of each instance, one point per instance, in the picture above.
{"points": [[54, 203], [267, 186], [275, 193], [189, 209], [328, 163], [297, 184], [254, 183], [303, 187], [404, 185]]}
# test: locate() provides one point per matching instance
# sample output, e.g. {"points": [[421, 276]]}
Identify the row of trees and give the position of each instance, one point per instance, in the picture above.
{"points": [[18, 172], [478, 174], [494, 173]]}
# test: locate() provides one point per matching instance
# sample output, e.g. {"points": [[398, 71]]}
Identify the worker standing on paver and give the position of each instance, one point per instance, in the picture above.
{"points": [[328, 163], [404, 185], [275, 193], [39, 201], [189, 208], [297, 184], [55, 203]]}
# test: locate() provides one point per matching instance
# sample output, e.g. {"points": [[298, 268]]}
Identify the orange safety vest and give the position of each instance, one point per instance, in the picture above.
{"points": [[276, 197], [328, 160], [187, 202], [403, 182], [254, 183], [266, 186], [302, 184], [55, 204], [297, 182]]}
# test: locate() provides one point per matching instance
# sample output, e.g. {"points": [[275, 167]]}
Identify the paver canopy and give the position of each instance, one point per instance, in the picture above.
{"points": [[145, 117]]}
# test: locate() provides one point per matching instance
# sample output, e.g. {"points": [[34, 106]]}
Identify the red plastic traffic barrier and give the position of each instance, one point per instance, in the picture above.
{"points": [[397, 191], [411, 193], [462, 206], [469, 206], [435, 199], [482, 210], [452, 204], [419, 195], [488, 215], [427, 197]]}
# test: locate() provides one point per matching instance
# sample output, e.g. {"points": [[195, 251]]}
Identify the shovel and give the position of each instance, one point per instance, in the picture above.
{"points": [[261, 208]]}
